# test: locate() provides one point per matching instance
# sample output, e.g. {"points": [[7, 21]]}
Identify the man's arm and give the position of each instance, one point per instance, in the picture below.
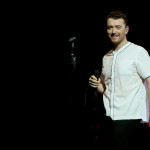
{"points": [[148, 92], [101, 88]]}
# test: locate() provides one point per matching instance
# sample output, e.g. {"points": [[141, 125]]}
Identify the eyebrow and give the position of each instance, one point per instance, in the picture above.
{"points": [[115, 25], [118, 26], [108, 26]]}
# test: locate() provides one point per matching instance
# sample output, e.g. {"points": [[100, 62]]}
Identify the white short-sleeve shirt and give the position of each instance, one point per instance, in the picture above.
{"points": [[123, 73]]}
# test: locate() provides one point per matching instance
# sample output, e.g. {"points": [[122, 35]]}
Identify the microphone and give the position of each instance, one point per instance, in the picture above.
{"points": [[94, 90], [97, 74], [72, 39], [92, 93]]}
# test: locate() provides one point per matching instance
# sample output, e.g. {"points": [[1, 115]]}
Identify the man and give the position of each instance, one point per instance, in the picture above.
{"points": [[124, 83]]}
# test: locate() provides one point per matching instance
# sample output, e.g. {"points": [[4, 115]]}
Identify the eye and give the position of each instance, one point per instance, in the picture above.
{"points": [[118, 27], [109, 27]]}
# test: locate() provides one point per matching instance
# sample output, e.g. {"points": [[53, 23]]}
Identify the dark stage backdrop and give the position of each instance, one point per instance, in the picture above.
{"points": [[56, 92], [87, 24]]}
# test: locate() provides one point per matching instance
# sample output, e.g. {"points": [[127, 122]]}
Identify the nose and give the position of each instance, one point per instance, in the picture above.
{"points": [[113, 30]]}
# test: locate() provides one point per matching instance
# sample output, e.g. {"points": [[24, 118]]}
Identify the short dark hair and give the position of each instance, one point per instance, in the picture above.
{"points": [[118, 15]]}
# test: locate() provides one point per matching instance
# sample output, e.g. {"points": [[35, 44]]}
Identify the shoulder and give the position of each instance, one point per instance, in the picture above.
{"points": [[138, 48], [109, 53]]}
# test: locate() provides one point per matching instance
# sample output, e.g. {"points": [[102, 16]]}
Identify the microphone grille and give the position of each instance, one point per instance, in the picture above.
{"points": [[97, 73]]}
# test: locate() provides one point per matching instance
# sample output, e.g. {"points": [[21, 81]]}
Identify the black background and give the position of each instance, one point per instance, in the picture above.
{"points": [[47, 78]]}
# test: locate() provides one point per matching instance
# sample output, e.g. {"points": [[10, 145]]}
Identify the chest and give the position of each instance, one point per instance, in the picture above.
{"points": [[120, 64]]}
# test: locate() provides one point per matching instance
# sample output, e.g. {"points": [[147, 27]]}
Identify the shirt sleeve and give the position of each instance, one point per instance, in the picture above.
{"points": [[143, 63], [102, 75], [102, 78]]}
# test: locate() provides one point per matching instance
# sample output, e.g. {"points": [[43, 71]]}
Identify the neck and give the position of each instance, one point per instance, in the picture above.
{"points": [[119, 45]]}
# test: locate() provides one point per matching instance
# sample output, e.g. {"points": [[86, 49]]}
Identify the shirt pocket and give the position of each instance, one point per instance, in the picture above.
{"points": [[125, 68]]}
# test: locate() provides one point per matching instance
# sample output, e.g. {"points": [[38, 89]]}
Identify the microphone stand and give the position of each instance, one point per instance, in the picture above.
{"points": [[72, 68]]}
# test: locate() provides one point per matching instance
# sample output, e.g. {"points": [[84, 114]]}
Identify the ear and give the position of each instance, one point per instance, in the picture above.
{"points": [[127, 30]]}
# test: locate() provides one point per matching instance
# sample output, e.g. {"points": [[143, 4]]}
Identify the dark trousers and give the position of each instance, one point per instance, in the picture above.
{"points": [[121, 134]]}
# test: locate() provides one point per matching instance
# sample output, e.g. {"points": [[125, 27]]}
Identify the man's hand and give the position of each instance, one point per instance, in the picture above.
{"points": [[93, 82]]}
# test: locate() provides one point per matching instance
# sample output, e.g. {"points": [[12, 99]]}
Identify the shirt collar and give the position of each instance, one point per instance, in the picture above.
{"points": [[122, 48]]}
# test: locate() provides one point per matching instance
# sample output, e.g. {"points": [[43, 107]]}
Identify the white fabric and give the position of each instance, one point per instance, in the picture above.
{"points": [[123, 73]]}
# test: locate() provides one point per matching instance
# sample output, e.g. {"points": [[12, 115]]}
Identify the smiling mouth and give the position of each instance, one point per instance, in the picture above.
{"points": [[114, 36]]}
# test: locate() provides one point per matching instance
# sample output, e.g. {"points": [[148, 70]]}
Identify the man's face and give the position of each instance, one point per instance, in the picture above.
{"points": [[116, 30]]}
